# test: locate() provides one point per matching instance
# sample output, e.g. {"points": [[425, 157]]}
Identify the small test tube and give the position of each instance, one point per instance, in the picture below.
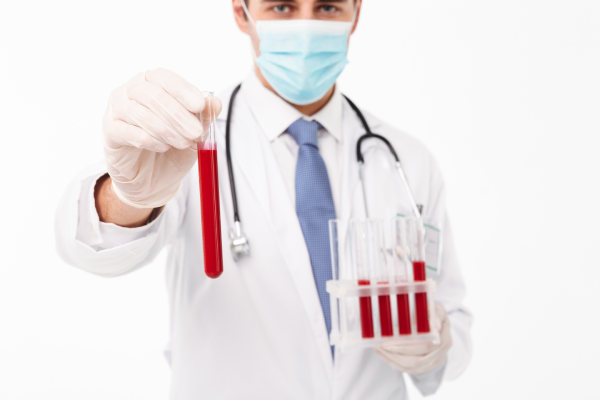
{"points": [[366, 313], [402, 301], [383, 275], [209, 191], [361, 259], [418, 262]]}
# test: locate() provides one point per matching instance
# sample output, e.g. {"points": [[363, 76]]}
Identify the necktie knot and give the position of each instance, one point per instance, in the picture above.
{"points": [[305, 132]]}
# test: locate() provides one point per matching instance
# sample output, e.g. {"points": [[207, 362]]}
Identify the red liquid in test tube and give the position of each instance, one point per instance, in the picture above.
{"points": [[366, 313], [402, 302], [421, 299], [209, 195], [403, 314], [385, 315], [211, 215]]}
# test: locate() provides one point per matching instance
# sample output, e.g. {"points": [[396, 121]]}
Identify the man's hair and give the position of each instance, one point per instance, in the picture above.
{"points": [[247, 1]]}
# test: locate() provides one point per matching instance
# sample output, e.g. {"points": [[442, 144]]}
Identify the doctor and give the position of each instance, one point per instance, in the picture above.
{"points": [[260, 331]]}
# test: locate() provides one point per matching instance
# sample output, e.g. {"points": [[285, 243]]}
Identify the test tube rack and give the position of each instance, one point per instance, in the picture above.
{"points": [[380, 293], [346, 318]]}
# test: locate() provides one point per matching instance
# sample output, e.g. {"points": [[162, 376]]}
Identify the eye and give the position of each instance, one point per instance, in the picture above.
{"points": [[328, 9], [281, 9]]}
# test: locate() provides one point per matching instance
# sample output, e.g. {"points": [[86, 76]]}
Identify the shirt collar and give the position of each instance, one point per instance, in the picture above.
{"points": [[275, 115]]}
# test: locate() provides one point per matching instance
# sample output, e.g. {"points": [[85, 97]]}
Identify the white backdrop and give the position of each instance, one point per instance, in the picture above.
{"points": [[506, 94]]}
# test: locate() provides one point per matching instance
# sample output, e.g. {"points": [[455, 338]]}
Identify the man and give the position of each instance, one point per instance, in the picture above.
{"points": [[260, 331]]}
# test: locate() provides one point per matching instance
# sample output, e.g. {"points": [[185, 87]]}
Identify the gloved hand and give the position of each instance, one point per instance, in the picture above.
{"points": [[417, 358], [150, 130]]}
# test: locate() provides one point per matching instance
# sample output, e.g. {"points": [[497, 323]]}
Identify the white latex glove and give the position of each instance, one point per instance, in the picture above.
{"points": [[150, 130], [416, 358]]}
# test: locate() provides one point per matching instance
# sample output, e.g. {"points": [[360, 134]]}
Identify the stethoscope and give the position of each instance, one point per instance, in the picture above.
{"points": [[239, 243]]}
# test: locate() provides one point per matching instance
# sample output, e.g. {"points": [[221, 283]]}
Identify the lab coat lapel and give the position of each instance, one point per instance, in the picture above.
{"points": [[293, 248], [252, 152]]}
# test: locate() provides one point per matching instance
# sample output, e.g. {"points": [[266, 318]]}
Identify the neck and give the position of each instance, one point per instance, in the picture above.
{"points": [[308, 109]]}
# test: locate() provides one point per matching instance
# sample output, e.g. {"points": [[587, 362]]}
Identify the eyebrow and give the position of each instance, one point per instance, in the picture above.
{"points": [[293, 1]]}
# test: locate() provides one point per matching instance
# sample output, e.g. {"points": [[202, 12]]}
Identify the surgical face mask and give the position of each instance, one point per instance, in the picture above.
{"points": [[301, 58]]}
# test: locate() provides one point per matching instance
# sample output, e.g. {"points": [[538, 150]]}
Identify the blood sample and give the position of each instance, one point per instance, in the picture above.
{"points": [[366, 313], [421, 299], [209, 194], [381, 269], [402, 302], [403, 314], [385, 315]]}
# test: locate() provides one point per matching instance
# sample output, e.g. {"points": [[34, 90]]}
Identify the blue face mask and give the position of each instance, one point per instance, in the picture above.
{"points": [[302, 58]]}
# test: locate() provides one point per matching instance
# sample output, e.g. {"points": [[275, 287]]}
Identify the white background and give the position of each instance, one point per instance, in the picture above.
{"points": [[506, 94]]}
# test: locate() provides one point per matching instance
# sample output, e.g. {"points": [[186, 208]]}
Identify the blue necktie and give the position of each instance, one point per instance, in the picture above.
{"points": [[314, 206]]}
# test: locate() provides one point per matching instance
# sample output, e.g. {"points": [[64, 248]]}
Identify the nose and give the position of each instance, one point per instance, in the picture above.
{"points": [[306, 10]]}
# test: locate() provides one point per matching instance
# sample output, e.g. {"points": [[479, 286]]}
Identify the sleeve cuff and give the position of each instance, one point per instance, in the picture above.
{"points": [[100, 235]]}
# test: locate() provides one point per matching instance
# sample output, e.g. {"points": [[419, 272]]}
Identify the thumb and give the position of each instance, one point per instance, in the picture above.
{"points": [[208, 115], [440, 315]]}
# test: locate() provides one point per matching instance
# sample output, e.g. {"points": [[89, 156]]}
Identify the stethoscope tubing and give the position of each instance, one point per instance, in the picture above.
{"points": [[359, 158], [236, 215]]}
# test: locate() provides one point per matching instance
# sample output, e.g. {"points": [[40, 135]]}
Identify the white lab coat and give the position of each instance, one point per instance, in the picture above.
{"points": [[258, 332]]}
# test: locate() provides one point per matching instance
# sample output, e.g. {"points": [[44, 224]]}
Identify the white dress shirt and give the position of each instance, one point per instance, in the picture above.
{"points": [[275, 115]]}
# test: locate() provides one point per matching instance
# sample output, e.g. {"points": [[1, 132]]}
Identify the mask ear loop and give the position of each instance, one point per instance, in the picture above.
{"points": [[254, 25], [248, 13], [354, 17]]}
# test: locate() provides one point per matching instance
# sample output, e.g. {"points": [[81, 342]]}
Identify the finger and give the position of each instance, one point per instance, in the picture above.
{"points": [[209, 114], [389, 360], [180, 89], [166, 108], [446, 335], [181, 160], [123, 134], [429, 361], [411, 349], [440, 315], [409, 363], [435, 363], [218, 106], [420, 364], [212, 110], [427, 366], [136, 114]]}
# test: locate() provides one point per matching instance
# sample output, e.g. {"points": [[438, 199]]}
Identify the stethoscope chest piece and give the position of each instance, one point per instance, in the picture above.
{"points": [[239, 243]]}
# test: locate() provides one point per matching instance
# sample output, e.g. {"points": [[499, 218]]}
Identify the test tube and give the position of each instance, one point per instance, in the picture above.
{"points": [[401, 259], [382, 264], [361, 261], [417, 238], [209, 191]]}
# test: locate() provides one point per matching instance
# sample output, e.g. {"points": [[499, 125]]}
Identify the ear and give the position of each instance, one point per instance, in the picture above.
{"points": [[240, 16], [359, 7]]}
